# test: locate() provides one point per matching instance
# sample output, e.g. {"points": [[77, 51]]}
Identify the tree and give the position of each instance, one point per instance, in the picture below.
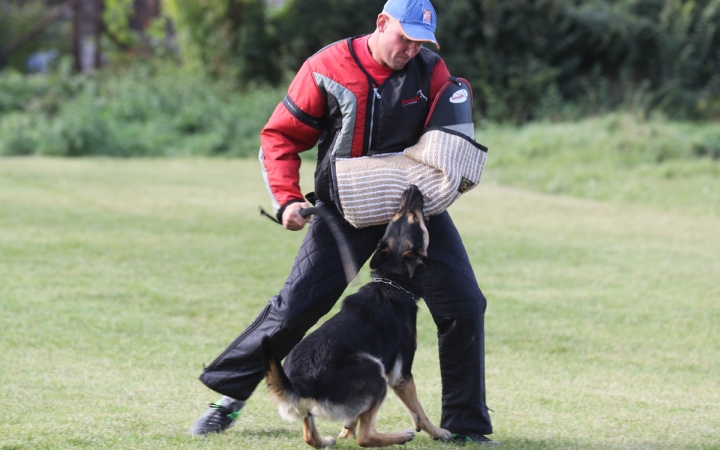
{"points": [[229, 38]]}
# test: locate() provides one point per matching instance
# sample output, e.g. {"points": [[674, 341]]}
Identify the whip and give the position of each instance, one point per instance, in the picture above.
{"points": [[348, 262]]}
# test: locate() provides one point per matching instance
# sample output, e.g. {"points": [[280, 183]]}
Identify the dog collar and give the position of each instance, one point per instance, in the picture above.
{"points": [[386, 281]]}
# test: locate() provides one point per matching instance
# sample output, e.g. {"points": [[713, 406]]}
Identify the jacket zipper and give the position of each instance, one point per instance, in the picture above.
{"points": [[372, 114]]}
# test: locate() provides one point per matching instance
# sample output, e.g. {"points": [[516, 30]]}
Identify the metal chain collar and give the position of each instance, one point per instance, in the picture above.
{"points": [[390, 282]]}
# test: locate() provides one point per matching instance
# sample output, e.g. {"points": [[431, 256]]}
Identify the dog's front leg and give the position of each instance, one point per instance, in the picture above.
{"points": [[406, 392]]}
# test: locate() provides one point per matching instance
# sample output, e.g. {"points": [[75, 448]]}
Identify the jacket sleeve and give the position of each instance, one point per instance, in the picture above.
{"points": [[295, 126], [438, 78]]}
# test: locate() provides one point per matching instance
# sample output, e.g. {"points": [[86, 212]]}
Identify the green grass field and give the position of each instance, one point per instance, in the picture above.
{"points": [[120, 278]]}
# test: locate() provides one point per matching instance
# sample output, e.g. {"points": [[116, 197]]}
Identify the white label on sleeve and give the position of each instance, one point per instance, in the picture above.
{"points": [[459, 97]]}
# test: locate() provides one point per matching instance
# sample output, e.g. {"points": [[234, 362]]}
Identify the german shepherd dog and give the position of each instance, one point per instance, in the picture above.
{"points": [[341, 371]]}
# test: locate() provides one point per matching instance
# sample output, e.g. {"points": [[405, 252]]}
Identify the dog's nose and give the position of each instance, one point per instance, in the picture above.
{"points": [[413, 198]]}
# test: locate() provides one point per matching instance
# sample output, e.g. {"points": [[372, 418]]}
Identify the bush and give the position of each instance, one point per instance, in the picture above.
{"points": [[524, 56], [304, 27], [227, 38], [145, 111]]}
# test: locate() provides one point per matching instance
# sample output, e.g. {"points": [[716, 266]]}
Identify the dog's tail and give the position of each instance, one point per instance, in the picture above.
{"points": [[279, 385]]}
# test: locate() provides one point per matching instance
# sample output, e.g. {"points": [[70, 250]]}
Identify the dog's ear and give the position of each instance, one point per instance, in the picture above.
{"points": [[412, 259], [382, 254]]}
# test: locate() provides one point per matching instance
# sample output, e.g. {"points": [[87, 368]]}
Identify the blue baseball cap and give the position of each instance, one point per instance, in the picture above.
{"points": [[417, 18]]}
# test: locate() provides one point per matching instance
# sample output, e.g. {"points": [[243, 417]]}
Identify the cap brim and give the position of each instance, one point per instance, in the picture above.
{"points": [[417, 33]]}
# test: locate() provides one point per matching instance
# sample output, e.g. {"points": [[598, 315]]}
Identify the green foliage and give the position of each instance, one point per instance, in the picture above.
{"points": [[528, 58], [239, 39], [304, 27], [37, 94], [17, 18], [116, 17], [547, 59], [228, 38], [146, 111]]}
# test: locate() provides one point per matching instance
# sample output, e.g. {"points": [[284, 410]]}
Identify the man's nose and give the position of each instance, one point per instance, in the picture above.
{"points": [[413, 49]]}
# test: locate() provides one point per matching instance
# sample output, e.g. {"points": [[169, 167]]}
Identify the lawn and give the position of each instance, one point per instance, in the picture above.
{"points": [[120, 278]]}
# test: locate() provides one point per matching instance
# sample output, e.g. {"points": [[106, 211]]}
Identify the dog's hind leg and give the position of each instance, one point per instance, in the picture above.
{"points": [[349, 429], [312, 436], [369, 437], [407, 393]]}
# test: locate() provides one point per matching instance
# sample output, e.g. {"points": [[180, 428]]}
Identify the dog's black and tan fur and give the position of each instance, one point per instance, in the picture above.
{"points": [[342, 370]]}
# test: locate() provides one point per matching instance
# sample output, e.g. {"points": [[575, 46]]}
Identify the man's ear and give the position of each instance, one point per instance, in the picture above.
{"points": [[382, 254], [382, 22], [411, 260]]}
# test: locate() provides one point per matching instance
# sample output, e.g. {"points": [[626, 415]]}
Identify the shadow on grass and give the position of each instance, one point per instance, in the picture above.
{"points": [[559, 443], [422, 441], [273, 433]]}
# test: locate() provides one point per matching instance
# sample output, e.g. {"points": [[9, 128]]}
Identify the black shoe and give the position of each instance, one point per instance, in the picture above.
{"points": [[473, 438], [221, 416]]}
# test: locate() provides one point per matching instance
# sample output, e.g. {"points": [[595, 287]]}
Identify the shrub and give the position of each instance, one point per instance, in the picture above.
{"points": [[146, 110], [522, 56], [228, 38]]}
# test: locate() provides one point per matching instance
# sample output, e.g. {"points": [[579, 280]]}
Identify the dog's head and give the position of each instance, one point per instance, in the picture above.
{"points": [[404, 246]]}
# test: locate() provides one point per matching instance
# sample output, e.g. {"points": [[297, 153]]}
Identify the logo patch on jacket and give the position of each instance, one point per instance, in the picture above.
{"points": [[459, 97], [417, 98]]}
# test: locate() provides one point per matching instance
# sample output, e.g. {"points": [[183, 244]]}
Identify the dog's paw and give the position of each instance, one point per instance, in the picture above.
{"points": [[347, 433], [440, 434], [409, 436]]}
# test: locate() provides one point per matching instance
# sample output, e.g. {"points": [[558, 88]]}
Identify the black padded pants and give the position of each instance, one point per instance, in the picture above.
{"points": [[317, 281]]}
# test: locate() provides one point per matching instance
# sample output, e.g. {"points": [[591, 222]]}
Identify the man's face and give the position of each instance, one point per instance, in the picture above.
{"points": [[394, 47]]}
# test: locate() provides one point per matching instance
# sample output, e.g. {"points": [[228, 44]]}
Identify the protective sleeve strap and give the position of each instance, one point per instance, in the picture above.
{"points": [[307, 119]]}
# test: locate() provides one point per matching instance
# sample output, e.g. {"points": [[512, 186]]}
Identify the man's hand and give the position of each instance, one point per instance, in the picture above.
{"points": [[291, 218]]}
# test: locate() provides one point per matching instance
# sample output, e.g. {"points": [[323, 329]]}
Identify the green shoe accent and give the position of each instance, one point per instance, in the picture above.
{"points": [[232, 416]]}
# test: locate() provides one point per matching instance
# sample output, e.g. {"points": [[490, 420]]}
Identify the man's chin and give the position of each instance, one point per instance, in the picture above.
{"points": [[398, 65]]}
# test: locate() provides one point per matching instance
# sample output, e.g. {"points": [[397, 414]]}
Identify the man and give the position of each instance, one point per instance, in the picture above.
{"points": [[362, 96]]}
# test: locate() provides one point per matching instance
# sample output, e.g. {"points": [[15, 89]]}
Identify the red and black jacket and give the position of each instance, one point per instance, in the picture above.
{"points": [[333, 101]]}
